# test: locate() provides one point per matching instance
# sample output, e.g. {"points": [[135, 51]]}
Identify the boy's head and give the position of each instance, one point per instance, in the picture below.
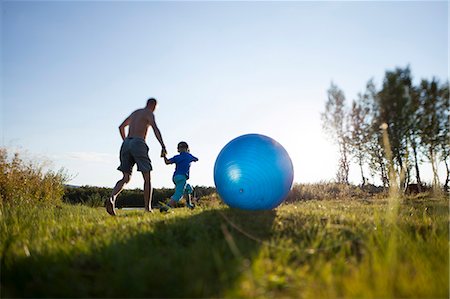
{"points": [[183, 147]]}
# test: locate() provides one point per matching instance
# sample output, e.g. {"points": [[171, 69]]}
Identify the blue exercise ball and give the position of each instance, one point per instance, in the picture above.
{"points": [[253, 172]]}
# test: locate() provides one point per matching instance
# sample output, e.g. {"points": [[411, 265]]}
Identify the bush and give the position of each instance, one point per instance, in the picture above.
{"points": [[90, 196], [330, 190], [128, 198], [25, 181], [211, 200]]}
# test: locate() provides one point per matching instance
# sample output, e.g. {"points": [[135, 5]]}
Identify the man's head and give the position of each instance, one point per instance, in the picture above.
{"points": [[183, 147], [151, 104]]}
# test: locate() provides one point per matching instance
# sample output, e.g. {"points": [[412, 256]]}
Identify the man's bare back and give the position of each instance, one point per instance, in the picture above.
{"points": [[139, 121]]}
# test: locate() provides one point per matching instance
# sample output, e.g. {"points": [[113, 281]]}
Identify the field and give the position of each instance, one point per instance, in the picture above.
{"points": [[358, 248]]}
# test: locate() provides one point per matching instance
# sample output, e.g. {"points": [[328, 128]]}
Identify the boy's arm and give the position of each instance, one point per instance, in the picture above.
{"points": [[167, 161]]}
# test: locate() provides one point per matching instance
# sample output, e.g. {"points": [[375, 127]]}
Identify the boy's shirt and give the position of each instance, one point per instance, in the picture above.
{"points": [[183, 163]]}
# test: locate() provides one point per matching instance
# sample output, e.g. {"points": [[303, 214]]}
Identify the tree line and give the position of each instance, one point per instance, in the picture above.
{"points": [[96, 196], [412, 119]]}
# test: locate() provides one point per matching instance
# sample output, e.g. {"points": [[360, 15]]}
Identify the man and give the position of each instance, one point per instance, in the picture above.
{"points": [[134, 150]]}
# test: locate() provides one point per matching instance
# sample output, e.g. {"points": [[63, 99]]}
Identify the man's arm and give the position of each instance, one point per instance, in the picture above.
{"points": [[122, 126], [158, 135]]}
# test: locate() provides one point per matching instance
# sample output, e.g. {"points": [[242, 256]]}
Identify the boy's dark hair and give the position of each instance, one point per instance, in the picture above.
{"points": [[183, 145], [151, 101]]}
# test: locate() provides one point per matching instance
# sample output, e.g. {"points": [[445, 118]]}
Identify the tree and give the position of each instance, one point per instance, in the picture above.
{"points": [[414, 129], [334, 123], [405, 122], [431, 116], [445, 132], [374, 147], [361, 129], [358, 139], [394, 103]]}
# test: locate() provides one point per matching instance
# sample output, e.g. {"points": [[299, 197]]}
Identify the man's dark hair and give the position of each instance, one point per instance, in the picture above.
{"points": [[151, 101], [183, 145]]}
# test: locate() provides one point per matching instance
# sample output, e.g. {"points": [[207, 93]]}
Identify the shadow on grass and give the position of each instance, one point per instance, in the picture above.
{"points": [[197, 256]]}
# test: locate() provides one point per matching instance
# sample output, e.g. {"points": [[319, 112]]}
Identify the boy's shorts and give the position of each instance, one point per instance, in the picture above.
{"points": [[134, 150]]}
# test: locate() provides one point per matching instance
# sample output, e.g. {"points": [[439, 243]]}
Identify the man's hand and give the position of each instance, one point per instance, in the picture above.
{"points": [[163, 152]]}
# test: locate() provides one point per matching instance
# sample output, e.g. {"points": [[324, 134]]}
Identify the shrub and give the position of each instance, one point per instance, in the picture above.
{"points": [[91, 196], [209, 201], [331, 190], [25, 181], [96, 196]]}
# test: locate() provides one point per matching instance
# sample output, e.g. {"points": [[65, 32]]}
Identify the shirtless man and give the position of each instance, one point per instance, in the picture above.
{"points": [[134, 150]]}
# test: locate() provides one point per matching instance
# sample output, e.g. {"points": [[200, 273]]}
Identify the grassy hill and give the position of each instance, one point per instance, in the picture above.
{"points": [[310, 249]]}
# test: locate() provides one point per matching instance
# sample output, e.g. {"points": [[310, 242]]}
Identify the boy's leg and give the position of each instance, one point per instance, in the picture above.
{"points": [[189, 203], [115, 192], [187, 193], [180, 182], [148, 191]]}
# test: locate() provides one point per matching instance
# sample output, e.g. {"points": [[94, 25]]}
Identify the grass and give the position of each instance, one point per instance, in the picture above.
{"points": [[312, 249]]}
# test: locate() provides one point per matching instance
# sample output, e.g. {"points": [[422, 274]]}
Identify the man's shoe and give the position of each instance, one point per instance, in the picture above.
{"points": [[109, 204]]}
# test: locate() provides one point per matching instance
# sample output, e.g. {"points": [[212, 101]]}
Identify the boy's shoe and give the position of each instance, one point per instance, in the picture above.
{"points": [[164, 208], [190, 205]]}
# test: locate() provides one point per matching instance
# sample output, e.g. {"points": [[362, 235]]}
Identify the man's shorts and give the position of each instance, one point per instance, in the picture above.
{"points": [[134, 150]]}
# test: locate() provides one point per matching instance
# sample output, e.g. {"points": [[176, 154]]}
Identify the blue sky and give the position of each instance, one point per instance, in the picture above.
{"points": [[72, 71]]}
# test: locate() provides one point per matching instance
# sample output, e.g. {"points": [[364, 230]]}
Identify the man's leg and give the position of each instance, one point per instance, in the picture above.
{"points": [[148, 191], [115, 192], [120, 184]]}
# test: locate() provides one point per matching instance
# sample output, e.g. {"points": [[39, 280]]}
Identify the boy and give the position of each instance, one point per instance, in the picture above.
{"points": [[180, 176]]}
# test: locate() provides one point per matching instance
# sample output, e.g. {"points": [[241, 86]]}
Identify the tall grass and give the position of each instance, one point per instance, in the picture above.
{"points": [[23, 181]]}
